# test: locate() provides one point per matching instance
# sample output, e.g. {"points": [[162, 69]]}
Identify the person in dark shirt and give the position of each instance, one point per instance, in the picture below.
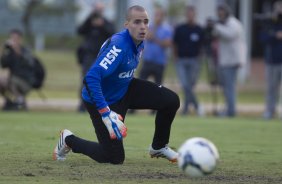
{"points": [[95, 30], [19, 61], [272, 39], [187, 40]]}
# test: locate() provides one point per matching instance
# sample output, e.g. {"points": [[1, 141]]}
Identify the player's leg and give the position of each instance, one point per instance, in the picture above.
{"points": [[145, 73], [269, 97], [194, 75], [146, 70], [105, 150], [228, 77], [4, 91], [271, 90], [158, 73], [147, 95], [182, 73], [19, 88]]}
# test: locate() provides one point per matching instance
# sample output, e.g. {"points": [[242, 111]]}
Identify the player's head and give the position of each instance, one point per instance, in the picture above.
{"points": [[223, 11], [15, 36], [190, 13], [99, 8], [159, 15], [277, 10], [137, 22]]}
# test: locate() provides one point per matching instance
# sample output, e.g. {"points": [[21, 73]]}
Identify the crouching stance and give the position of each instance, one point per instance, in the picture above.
{"points": [[110, 90]]}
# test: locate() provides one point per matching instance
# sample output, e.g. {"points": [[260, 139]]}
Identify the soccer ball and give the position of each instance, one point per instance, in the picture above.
{"points": [[197, 157]]}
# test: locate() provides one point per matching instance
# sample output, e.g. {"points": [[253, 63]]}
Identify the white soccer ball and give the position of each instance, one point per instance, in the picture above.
{"points": [[197, 157]]}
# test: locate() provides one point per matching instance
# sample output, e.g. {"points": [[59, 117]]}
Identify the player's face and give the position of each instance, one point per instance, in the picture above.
{"points": [[221, 14], [137, 25], [16, 39], [159, 16], [191, 14]]}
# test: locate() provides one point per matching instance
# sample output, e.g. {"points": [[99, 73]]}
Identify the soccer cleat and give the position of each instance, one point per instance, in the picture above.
{"points": [[62, 148], [165, 152]]}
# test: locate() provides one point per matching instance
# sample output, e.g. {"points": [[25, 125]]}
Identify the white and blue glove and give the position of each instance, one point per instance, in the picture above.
{"points": [[114, 124]]}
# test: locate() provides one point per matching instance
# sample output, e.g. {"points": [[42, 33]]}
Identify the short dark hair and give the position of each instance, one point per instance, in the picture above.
{"points": [[16, 31], [225, 7], [191, 8], [135, 7]]}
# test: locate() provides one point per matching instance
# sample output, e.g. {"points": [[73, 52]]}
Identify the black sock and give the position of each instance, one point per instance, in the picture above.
{"points": [[92, 149]]}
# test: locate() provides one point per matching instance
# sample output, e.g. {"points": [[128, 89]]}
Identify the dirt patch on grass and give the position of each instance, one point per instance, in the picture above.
{"points": [[127, 174], [157, 175], [241, 179]]}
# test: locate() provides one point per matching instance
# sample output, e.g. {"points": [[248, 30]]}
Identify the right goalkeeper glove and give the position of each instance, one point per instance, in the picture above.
{"points": [[114, 124]]}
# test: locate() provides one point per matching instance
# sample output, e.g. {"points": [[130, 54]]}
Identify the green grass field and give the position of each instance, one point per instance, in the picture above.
{"points": [[250, 150]]}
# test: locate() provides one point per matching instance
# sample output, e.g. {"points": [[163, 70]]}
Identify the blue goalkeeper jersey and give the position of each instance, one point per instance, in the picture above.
{"points": [[108, 79]]}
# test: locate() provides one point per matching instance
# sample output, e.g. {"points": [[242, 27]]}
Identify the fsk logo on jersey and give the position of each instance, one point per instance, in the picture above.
{"points": [[110, 57]]}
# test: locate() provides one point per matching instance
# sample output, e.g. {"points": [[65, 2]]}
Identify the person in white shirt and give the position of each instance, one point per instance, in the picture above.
{"points": [[231, 55]]}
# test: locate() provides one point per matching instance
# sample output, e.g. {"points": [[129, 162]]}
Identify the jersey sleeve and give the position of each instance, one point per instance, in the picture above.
{"points": [[109, 58]]}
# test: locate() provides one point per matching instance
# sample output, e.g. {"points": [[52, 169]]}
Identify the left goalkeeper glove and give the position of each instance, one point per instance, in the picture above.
{"points": [[115, 126]]}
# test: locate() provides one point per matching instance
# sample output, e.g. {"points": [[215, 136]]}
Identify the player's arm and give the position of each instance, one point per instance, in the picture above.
{"points": [[109, 58], [175, 39], [227, 31], [8, 56], [165, 42], [85, 27], [106, 63]]}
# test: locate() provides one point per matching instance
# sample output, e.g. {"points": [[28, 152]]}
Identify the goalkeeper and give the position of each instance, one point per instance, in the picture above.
{"points": [[110, 90]]}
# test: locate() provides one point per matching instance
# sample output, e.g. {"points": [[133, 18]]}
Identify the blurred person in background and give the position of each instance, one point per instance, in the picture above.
{"points": [[187, 42], [158, 39], [95, 30], [211, 59], [272, 39], [231, 55], [21, 65]]}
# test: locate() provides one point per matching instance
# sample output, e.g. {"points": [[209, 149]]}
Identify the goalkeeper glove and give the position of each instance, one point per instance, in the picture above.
{"points": [[114, 124]]}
